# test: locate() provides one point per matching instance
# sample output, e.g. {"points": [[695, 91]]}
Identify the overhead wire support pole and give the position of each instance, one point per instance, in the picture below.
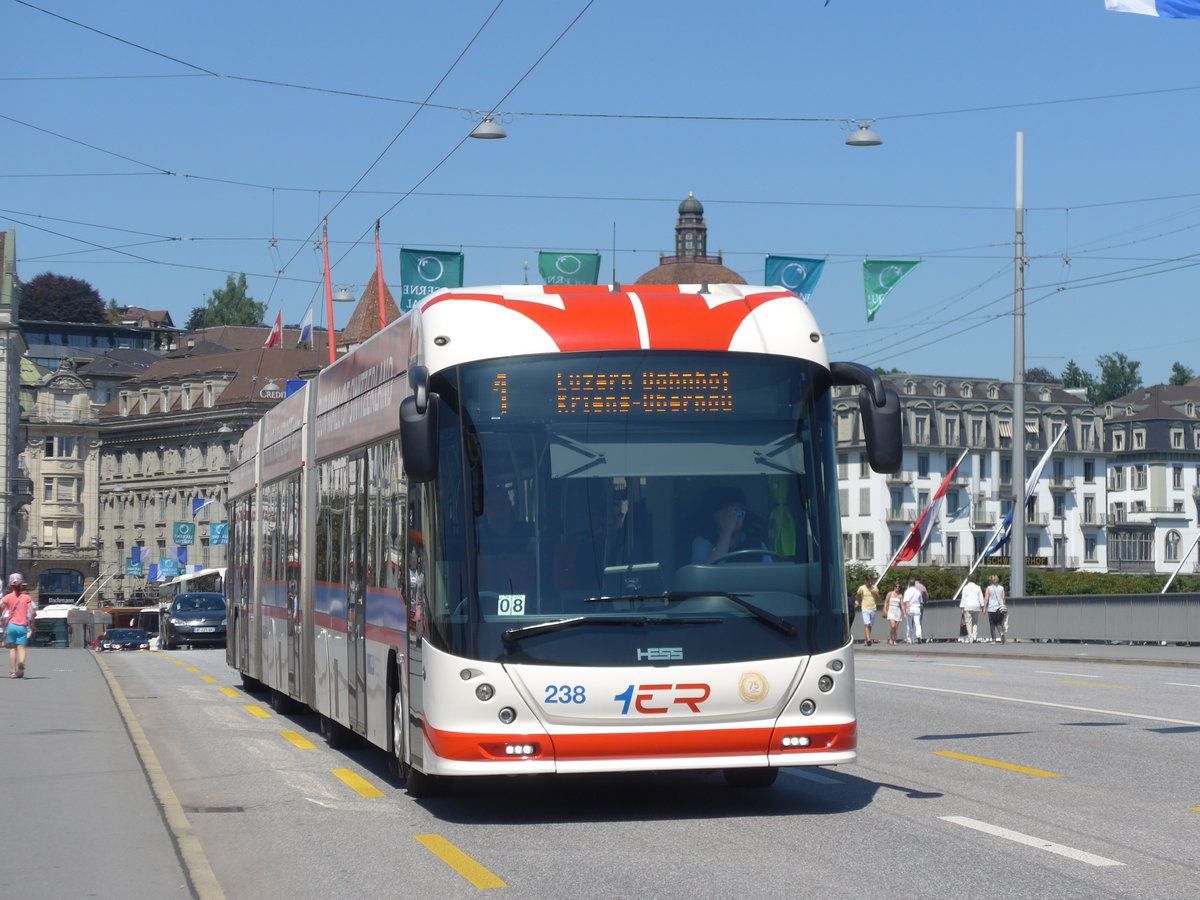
{"points": [[1016, 547]]}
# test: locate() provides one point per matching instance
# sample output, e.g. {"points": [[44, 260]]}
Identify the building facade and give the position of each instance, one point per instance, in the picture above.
{"points": [[943, 418]]}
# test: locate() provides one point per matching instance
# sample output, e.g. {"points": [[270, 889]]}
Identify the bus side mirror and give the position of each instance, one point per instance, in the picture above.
{"points": [[880, 410], [419, 428]]}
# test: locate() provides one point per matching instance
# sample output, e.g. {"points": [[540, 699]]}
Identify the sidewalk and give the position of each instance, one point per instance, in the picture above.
{"points": [[80, 819], [1123, 654]]}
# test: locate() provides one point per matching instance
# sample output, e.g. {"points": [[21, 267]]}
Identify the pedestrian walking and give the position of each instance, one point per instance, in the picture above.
{"points": [[914, 609], [971, 605], [867, 596], [997, 610], [18, 619], [893, 608]]}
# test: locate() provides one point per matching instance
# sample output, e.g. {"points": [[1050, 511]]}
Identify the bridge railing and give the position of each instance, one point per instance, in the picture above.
{"points": [[1174, 618]]}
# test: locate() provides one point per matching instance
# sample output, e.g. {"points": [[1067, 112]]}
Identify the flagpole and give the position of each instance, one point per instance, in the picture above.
{"points": [[379, 278], [1182, 560], [328, 291], [1016, 583]]}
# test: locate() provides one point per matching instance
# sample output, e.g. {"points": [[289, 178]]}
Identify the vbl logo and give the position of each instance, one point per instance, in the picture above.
{"points": [[657, 699]]}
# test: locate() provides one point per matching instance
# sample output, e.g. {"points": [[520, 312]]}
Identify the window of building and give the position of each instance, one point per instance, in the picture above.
{"points": [[864, 501], [65, 492], [981, 542], [60, 446], [1171, 546], [1176, 438], [1089, 508], [921, 430], [48, 490], [844, 500], [1060, 552], [1059, 471], [993, 391], [847, 545], [964, 390], [1089, 548], [1006, 470], [950, 430], [1089, 471], [898, 538], [1032, 545], [1118, 512], [1137, 477], [866, 545], [951, 549], [1177, 476], [1177, 506], [897, 501], [910, 387], [1118, 440], [953, 500], [1060, 506], [1130, 546], [977, 432], [1139, 506], [939, 389], [1139, 439], [922, 464], [843, 464], [1116, 478]]}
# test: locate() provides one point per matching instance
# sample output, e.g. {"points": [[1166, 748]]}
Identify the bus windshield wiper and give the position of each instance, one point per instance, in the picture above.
{"points": [[764, 616], [513, 635]]}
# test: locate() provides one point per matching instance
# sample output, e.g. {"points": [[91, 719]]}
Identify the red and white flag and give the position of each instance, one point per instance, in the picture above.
{"points": [[275, 338], [920, 531]]}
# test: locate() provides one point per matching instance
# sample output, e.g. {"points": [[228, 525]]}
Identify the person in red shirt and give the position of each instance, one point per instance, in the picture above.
{"points": [[18, 617]]}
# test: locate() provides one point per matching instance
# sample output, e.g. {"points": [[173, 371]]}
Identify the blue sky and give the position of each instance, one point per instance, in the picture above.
{"points": [[1110, 182]]}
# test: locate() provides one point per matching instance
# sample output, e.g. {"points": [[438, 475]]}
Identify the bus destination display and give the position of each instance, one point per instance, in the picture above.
{"points": [[625, 393]]}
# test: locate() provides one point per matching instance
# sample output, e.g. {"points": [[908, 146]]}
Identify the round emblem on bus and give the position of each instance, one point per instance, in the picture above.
{"points": [[753, 687]]}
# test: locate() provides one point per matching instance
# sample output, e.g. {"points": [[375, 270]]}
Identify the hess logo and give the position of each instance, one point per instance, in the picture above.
{"points": [[660, 699], [660, 653]]}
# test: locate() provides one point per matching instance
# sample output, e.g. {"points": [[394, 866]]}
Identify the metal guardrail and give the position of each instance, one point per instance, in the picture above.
{"points": [[1173, 618]]}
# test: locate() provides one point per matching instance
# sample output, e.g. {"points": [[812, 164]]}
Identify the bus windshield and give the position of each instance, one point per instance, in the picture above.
{"points": [[630, 507]]}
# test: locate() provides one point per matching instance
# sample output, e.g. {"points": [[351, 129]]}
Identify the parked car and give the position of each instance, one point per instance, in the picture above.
{"points": [[123, 639], [195, 619]]}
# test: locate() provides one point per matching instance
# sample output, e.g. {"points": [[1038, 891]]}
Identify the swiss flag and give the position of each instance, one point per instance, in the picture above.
{"points": [[275, 338], [920, 532]]}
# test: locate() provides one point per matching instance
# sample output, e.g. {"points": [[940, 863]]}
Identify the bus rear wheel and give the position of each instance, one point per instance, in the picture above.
{"points": [[758, 777]]}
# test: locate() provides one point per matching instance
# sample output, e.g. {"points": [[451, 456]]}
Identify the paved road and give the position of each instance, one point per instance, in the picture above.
{"points": [[83, 794]]}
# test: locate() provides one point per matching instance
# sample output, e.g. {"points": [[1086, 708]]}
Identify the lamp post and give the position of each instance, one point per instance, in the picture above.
{"points": [[1016, 548]]}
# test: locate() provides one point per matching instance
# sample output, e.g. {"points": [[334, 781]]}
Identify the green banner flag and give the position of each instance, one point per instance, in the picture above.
{"points": [[880, 276], [424, 271], [185, 534], [218, 533], [132, 569], [168, 568], [569, 268]]}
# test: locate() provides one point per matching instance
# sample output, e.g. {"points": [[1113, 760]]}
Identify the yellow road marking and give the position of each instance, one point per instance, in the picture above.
{"points": [[468, 868], [298, 739], [191, 669], [1194, 808], [257, 711], [230, 692], [999, 765], [208, 678], [179, 662], [1115, 687], [358, 783]]}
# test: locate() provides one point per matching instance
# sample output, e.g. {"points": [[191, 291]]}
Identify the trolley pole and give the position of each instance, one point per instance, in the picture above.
{"points": [[1016, 547]]}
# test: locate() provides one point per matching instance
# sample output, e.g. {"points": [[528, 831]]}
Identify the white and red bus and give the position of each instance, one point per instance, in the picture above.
{"points": [[499, 536]]}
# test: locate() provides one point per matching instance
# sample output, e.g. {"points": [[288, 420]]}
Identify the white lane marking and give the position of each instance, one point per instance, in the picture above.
{"points": [[977, 696], [959, 665], [1181, 684], [811, 776], [1038, 843], [1070, 674]]}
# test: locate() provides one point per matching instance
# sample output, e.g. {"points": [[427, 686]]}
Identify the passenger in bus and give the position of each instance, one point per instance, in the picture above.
{"points": [[731, 531], [505, 550]]}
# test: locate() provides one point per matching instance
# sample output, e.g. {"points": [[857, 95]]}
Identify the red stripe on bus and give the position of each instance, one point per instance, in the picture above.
{"points": [[709, 743]]}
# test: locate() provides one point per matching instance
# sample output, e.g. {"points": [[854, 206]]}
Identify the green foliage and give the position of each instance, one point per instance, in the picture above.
{"points": [[231, 305], [113, 313], [1180, 374], [1040, 375], [1118, 377], [1075, 377], [856, 574], [943, 583], [60, 298]]}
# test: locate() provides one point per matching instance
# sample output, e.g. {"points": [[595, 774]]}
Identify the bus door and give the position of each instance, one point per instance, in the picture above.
{"points": [[290, 525], [356, 591]]}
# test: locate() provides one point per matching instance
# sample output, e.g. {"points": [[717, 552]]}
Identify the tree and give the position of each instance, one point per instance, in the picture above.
{"points": [[113, 313], [60, 298], [1075, 377], [230, 305], [1180, 374], [1039, 375], [1118, 377]]}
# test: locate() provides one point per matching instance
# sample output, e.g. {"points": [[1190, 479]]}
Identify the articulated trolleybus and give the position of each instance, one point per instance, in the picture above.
{"points": [[561, 529]]}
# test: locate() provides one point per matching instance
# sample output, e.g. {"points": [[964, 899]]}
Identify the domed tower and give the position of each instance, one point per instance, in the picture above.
{"points": [[691, 263]]}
